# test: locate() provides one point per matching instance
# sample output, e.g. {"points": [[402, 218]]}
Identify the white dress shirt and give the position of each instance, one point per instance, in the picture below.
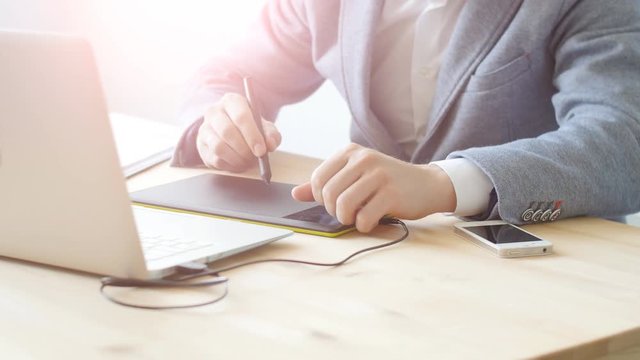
{"points": [[409, 45]]}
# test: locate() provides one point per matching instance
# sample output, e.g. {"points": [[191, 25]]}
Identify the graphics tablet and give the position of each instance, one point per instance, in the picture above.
{"points": [[242, 198]]}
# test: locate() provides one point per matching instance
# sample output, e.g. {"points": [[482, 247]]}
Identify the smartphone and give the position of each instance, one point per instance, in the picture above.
{"points": [[504, 239]]}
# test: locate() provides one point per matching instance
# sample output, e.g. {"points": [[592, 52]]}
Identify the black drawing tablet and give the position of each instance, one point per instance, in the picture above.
{"points": [[244, 199]]}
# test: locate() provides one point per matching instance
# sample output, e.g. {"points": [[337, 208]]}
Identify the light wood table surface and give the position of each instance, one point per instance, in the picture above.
{"points": [[434, 296]]}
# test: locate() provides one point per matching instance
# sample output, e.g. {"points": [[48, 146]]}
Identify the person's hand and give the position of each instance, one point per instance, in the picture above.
{"points": [[229, 139], [359, 186]]}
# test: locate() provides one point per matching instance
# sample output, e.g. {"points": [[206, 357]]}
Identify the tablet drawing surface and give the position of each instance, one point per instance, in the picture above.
{"points": [[242, 198]]}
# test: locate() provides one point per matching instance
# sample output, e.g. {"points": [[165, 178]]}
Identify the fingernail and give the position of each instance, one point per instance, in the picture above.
{"points": [[259, 150]]}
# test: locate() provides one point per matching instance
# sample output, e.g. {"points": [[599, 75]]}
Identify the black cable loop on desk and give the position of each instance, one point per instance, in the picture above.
{"points": [[180, 282], [128, 283]]}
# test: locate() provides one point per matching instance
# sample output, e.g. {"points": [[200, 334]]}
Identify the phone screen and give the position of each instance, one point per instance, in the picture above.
{"points": [[502, 234]]}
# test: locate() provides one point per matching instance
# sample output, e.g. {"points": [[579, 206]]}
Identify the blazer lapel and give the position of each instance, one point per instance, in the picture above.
{"points": [[480, 25], [357, 30]]}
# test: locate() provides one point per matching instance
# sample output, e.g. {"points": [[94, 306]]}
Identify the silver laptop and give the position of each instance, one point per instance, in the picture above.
{"points": [[63, 199]]}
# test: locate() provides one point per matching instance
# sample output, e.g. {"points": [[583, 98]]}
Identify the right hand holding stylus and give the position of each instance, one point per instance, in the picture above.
{"points": [[229, 139]]}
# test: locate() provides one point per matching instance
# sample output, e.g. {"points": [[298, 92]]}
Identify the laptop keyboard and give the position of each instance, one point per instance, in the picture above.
{"points": [[174, 238], [157, 246]]}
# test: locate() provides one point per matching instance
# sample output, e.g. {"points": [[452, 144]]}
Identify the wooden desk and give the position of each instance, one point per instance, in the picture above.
{"points": [[434, 296]]}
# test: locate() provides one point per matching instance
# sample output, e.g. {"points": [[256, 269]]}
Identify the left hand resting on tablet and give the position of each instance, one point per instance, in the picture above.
{"points": [[359, 186]]}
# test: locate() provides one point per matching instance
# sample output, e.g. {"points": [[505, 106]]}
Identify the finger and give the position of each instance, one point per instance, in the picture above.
{"points": [[272, 135], [355, 198], [239, 112], [337, 184], [221, 156], [204, 133], [203, 151], [370, 214], [302, 192], [227, 132], [222, 150], [325, 171]]}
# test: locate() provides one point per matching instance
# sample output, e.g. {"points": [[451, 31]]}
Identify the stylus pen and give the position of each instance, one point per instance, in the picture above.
{"points": [[263, 161]]}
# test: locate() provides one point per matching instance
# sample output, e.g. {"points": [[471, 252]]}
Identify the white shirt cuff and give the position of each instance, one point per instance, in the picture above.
{"points": [[472, 185]]}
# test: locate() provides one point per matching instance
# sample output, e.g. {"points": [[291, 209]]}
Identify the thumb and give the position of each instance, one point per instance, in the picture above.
{"points": [[272, 135], [302, 192]]}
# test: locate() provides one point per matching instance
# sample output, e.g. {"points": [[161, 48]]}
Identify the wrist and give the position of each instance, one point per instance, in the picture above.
{"points": [[443, 193]]}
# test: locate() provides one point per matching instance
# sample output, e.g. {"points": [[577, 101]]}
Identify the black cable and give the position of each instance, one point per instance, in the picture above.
{"points": [[128, 283], [181, 282], [385, 221]]}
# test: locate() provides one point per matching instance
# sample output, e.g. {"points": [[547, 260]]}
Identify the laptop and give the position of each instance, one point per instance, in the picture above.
{"points": [[63, 197]]}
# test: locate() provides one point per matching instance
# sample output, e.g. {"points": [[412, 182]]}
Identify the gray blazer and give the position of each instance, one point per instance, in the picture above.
{"points": [[542, 95]]}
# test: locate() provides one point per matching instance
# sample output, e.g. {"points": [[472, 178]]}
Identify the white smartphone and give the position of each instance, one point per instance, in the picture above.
{"points": [[504, 239]]}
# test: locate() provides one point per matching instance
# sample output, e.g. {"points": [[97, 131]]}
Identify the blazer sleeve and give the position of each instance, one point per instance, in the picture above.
{"points": [[276, 52], [590, 165]]}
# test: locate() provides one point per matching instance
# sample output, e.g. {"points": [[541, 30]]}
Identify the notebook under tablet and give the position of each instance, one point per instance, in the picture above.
{"points": [[63, 199], [242, 198]]}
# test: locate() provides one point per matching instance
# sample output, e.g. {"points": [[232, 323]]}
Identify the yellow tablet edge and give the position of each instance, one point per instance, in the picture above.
{"points": [[292, 228]]}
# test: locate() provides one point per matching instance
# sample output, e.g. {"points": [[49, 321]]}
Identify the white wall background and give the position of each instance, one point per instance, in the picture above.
{"points": [[147, 49]]}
